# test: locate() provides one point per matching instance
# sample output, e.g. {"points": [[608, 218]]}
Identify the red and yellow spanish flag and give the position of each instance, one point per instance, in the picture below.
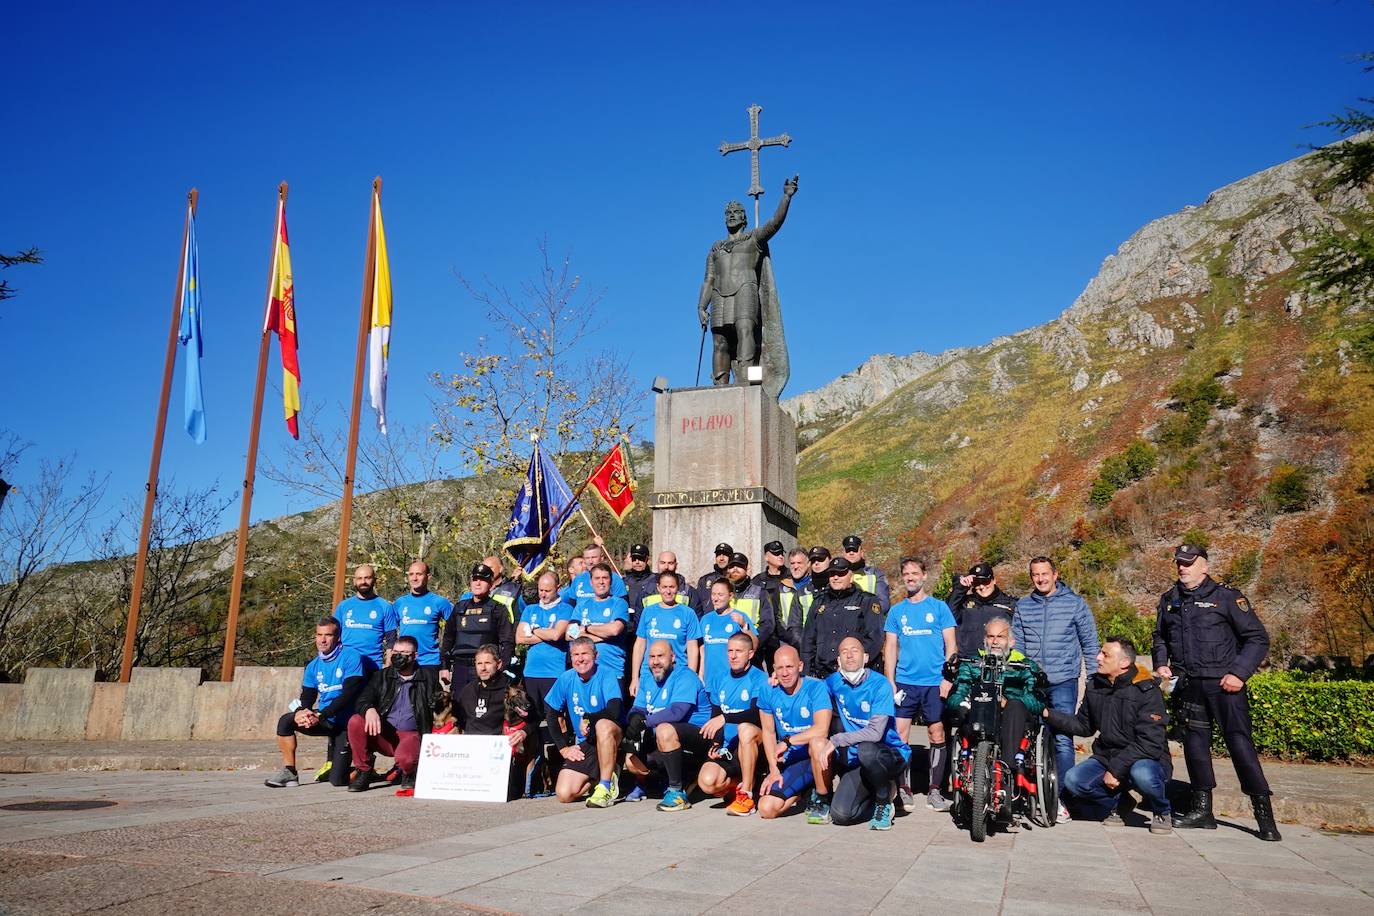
{"points": [[611, 481], [281, 318]]}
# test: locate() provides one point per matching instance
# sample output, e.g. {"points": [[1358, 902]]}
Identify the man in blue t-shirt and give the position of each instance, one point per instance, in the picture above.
{"points": [[734, 725], [329, 686], [868, 754], [668, 619], [665, 722], [368, 620], [919, 636], [581, 589], [543, 631], [794, 718], [419, 612], [605, 619], [584, 712]]}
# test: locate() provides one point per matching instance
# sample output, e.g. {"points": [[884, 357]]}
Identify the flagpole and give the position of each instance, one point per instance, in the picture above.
{"points": [[126, 662], [250, 468], [364, 321]]}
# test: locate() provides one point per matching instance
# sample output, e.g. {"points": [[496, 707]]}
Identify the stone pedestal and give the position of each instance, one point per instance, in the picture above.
{"points": [[725, 469]]}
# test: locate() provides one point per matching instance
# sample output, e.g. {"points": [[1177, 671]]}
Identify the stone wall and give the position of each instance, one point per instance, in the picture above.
{"points": [[158, 704]]}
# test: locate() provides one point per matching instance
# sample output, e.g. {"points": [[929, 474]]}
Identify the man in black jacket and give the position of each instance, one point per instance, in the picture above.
{"points": [[1124, 705], [841, 609], [976, 598], [1209, 636], [393, 711]]}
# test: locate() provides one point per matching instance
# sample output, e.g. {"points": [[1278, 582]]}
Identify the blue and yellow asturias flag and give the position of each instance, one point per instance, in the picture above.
{"points": [[189, 335], [541, 507]]}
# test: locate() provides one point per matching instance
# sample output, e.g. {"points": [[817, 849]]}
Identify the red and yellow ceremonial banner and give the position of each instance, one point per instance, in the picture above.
{"points": [[281, 318], [611, 481]]}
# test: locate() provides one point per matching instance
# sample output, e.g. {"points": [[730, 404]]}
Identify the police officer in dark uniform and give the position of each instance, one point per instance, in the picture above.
{"points": [[867, 576], [477, 620], [819, 558], [775, 572], [976, 598], [640, 581], [723, 554], [1209, 636], [841, 610]]}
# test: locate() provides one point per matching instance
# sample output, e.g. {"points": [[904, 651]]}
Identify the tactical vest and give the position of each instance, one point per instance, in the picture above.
{"points": [[477, 627], [749, 603], [867, 581], [787, 597]]}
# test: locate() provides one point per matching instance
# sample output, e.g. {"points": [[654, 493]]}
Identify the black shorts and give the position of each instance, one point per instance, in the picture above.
{"points": [[588, 766], [286, 727], [688, 738]]}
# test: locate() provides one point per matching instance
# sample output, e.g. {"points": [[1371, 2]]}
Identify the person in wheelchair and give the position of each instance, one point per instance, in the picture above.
{"points": [[1023, 692]]}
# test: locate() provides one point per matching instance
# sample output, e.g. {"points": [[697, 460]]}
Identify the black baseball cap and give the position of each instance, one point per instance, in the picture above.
{"points": [[483, 571], [981, 572], [738, 559], [818, 553], [639, 552], [840, 565], [852, 542], [774, 547], [724, 550], [1187, 554]]}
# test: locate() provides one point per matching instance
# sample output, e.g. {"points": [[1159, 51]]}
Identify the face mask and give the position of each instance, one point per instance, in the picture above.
{"points": [[401, 662], [853, 677]]}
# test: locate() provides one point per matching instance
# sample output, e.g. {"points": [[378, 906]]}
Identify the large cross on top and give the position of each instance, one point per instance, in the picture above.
{"points": [[753, 145]]}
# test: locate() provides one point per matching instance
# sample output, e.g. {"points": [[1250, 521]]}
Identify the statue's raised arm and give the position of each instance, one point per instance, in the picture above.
{"points": [[770, 228]]}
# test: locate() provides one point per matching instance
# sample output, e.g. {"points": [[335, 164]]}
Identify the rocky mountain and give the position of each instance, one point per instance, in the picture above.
{"points": [[1193, 384]]}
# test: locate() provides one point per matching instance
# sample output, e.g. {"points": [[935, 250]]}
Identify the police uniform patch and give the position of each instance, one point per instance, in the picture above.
{"points": [[1243, 604]]}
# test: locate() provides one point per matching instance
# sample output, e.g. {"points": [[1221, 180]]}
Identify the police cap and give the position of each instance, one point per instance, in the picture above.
{"points": [[852, 542], [738, 559], [981, 572], [1187, 554], [724, 550], [483, 571], [639, 552], [818, 553], [839, 566], [773, 547]]}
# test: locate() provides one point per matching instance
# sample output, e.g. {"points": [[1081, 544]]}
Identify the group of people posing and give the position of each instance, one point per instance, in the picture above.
{"points": [[796, 687]]}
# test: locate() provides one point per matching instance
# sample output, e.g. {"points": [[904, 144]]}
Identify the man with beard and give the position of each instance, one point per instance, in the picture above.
{"points": [[669, 711], [367, 619], [723, 554]]}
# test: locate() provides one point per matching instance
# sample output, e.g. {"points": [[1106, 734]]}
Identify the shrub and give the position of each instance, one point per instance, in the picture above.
{"points": [[1197, 537], [944, 583], [1122, 470], [1243, 568], [1117, 618], [1299, 718], [1194, 399], [1289, 488], [1099, 553]]}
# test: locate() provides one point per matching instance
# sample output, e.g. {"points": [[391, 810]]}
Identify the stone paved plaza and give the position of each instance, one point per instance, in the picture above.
{"points": [[220, 842]]}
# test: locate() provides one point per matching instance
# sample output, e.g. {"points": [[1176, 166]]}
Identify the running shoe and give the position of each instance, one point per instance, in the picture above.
{"points": [[636, 794], [936, 801], [742, 806], [1063, 813], [287, 778], [322, 774], [907, 798], [601, 797], [819, 812], [615, 786], [674, 800], [882, 817], [362, 781]]}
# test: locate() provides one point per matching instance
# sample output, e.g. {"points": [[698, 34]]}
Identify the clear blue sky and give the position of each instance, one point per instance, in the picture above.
{"points": [[965, 167]]}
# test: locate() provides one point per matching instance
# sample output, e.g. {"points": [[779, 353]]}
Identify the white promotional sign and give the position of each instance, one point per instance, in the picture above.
{"points": [[463, 768]]}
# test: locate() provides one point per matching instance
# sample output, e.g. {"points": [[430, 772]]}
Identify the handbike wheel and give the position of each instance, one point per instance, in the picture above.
{"points": [[1046, 778], [981, 792]]}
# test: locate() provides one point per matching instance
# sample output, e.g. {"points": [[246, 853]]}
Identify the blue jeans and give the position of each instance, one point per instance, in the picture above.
{"points": [[1064, 697], [1084, 783]]}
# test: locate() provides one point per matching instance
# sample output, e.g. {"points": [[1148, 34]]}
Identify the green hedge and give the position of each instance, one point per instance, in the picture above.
{"points": [[1300, 718]]}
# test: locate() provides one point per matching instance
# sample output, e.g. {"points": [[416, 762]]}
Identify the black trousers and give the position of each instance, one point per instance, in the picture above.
{"points": [[1014, 719], [1204, 702], [867, 785]]}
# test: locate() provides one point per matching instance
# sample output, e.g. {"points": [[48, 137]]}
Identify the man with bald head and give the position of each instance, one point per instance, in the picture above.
{"points": [[367, 619], [686, 592], [794, 715], [419, 612], [669, 710]]}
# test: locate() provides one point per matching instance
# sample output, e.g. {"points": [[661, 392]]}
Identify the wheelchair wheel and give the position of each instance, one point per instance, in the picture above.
{"points": [[981, 792], [1046, 779]]}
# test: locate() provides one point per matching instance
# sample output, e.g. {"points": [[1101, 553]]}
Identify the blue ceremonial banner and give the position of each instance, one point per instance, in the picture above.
{"points": [[189, 335], [541, 507]]}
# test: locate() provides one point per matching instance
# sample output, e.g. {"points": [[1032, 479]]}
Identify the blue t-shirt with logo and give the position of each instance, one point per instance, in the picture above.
{"points": [[578, 699], [920, 626], [545, 659], [418, 616], [327, 673], [364, 623], [795, 713], [680, 686], [736, 693], [610, 654], [857, 704], [716, 630], [678, 625]]}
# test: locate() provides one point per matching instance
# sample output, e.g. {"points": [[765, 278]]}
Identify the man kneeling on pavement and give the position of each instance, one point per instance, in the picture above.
{"points": [[395, 708], [1124, 705]]}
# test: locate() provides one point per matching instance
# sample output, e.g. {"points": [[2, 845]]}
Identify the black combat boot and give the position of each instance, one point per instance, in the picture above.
{"points": [[1264, 816], [1200, 816]]}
